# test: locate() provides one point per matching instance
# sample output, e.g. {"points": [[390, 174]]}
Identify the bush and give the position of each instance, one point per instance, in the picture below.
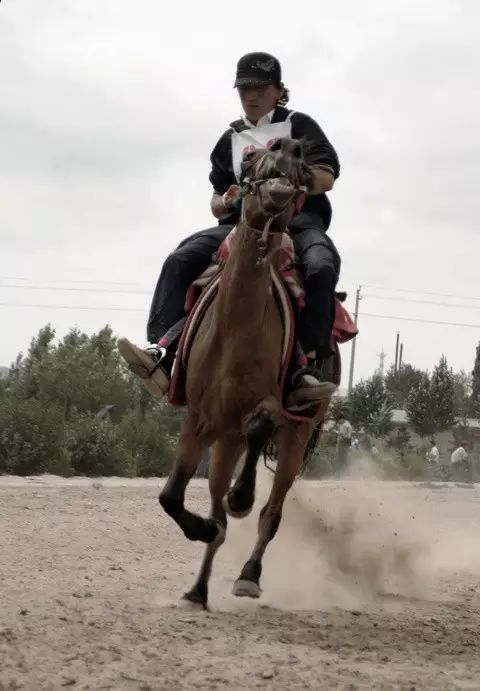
{"points": [[96, 448], [150, 448], [323, 460], [31, 437]]}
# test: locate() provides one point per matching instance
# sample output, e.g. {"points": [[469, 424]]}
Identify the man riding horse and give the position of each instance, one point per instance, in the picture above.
{"points": [[266, 120]]}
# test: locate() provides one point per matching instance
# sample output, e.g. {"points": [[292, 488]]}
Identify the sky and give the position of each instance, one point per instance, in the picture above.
{"points": [[109, 110]]}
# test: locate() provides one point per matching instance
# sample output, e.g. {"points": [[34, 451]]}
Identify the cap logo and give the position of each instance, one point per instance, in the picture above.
{"points": [[265, 66]]}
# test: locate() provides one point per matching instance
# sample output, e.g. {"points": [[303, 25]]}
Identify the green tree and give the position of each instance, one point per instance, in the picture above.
{"points": [[442, 396], [431, 405], [369, 406], [399, 383], [418, 407], [462, 387], [475, 394]]}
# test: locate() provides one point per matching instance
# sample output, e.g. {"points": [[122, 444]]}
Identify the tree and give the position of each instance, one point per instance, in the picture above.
{"points": [[462, 387], [431, 405], [369, 406], [442, 396], [475, 395], [399, 383], [418, 407]]}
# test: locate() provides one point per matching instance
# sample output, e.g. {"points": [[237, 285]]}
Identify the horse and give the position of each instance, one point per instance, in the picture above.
{"points": [[233, 396]]}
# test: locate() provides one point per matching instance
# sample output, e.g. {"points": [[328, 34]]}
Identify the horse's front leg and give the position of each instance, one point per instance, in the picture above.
{"points": [[291, 444], [241, 497], [225, 454], [172, 497]]}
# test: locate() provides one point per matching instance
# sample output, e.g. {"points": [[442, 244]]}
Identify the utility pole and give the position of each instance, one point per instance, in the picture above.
{"points": [[358, 297], [400, 357], [397, 345]]}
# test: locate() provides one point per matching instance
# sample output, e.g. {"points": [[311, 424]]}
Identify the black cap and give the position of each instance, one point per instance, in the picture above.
{"points": [[258, 69]]}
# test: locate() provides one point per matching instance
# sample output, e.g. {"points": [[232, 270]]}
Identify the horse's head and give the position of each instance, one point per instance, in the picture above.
{"points": [[273, 179]]}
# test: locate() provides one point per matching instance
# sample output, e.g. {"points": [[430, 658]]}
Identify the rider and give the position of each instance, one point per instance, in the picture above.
{"points": [[263, 97]]}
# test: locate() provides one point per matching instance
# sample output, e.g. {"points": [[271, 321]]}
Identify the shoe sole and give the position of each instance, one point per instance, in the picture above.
{"points": [[154, 380], [307, 397]]}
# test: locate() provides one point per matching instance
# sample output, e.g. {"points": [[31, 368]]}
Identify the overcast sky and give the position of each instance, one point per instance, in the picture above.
{"points": [[109, 110]]}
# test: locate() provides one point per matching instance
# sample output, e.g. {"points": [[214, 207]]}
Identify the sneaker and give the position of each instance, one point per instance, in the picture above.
{"points": [[149, 364], [309, 388]]}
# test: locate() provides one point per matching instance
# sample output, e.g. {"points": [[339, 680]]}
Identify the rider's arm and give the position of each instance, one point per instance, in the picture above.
{"points": [[222, 178], [323, 180], [218, 206], [319, 153]]}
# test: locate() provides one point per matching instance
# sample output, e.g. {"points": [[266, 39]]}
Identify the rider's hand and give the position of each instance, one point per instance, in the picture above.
{"points": [[231, 196]]}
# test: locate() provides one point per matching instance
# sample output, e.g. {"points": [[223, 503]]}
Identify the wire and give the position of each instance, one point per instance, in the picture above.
{"points": [[71, 280], [421, 292], [74, 307], [413, 319], [140, 309], [78, 290], [424, 302]]}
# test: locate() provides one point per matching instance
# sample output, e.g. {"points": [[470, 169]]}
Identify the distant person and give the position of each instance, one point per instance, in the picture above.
{"points": [[458, 456], [433, 456], [355, 444], [460, 461], [374, 451], [344, 440]]}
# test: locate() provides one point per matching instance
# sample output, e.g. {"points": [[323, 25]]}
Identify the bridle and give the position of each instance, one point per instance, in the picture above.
{"points": [[252, 186]]}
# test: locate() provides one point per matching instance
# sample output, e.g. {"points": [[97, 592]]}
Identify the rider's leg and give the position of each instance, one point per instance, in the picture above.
{"points": [[180, 269], [321, 265], [184, 265]]}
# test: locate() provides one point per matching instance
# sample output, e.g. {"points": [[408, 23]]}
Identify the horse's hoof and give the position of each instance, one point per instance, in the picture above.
{"points": [[230, 512], [243, 588], [193, 601]]}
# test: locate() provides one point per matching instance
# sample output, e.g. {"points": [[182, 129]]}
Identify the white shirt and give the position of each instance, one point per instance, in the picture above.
{"points": [[458, 455], [264, 120], [433, 455]]}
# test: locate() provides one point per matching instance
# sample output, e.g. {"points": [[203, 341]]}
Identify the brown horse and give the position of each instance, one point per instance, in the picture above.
{"points": [[233, 397]]}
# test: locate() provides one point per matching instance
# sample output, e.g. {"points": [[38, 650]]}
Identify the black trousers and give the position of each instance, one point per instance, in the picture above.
{"points": [[317, 255]]}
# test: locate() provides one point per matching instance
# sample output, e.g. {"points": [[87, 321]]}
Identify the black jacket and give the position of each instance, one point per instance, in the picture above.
{"points": [[318, 152]]}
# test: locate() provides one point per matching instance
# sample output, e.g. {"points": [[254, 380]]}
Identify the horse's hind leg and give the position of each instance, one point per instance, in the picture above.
{"points": [[240, 499], [172, 498], [224, 457], [291, 444]]}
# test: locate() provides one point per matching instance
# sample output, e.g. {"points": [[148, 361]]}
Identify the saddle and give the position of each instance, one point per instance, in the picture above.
{"points": [[289, 293]]}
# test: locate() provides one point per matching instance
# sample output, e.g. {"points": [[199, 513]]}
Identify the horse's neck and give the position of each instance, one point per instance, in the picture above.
{"points": [[245, 286]]}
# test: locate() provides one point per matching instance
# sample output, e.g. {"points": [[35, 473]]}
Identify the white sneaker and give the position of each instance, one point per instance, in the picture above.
{"points": [[145, 363]]}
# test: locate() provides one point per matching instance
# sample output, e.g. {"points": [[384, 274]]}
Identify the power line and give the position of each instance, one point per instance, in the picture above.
{"points": [[416, 291], [425, 302], [71, 280], [108, 308], [422, 292], [423, 321], [73, 307], [76, 290]]}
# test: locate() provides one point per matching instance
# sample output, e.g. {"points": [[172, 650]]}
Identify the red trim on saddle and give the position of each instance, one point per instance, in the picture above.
{"points": [[176, 390], [344, 328]]}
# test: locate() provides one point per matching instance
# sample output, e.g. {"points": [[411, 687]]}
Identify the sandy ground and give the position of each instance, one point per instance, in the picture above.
{"points": [[368, 585]]}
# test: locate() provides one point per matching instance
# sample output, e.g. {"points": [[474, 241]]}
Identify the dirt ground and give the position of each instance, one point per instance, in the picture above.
{"points": [[368, 585]]}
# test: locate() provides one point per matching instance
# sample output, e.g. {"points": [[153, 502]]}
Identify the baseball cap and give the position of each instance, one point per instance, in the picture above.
{"points": [[258, 69]]}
